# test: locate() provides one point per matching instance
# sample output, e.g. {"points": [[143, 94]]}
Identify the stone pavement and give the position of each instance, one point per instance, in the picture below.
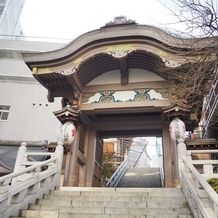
{"points": [[141, 177]]}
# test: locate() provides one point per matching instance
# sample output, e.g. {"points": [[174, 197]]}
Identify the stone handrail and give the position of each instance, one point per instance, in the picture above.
{"points": [[117, 176], [29, 182], [201, 197], [208, 165]]}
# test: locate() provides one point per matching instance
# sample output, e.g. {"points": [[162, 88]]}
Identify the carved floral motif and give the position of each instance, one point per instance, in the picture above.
{"points": [[70, 71], [119, 50], [43, 71]]}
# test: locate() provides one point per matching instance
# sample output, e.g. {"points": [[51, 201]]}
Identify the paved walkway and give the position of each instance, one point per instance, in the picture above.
{"points": [[141, 177]]}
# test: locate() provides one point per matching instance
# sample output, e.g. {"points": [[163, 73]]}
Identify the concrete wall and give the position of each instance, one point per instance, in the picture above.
{"points": [[27, 121], [30, 116], [14, 68]]}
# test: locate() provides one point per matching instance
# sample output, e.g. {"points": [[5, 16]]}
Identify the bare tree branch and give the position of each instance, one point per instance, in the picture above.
{"points": [[191, 82]]}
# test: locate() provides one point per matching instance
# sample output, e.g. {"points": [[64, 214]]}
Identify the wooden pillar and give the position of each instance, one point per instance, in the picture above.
{"points": [[82, 176], [67, 164], [172, 163], [90, 159], [167, 157], [71, 162], [175, 172], [83, 168]]}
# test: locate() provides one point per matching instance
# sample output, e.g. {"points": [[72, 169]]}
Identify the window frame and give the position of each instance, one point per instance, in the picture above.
{"points": [[4, 111]]}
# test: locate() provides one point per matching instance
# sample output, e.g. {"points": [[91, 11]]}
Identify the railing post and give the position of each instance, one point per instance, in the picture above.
{"points": [[20, 156], [189, 155], [4, 188], [177, 133], [59, 154], [207, 169], [34, 188], [182, 152]]}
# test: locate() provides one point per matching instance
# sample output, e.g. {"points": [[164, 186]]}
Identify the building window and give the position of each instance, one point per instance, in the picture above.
{"points": [[4, 112]]}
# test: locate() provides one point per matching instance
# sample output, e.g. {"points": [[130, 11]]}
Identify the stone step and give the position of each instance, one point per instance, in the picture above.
{"points": [[85, 191], [114, 195], [70, 215], [60, 212], [147, 170], [148, 202], [110, 197], [84, 202]]}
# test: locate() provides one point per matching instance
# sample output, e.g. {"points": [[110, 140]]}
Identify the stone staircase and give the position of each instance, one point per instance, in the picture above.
{"points": [[141, 177], [84, 202]]}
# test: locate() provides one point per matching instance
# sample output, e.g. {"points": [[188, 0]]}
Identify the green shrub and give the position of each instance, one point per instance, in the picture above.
{"points": [[214, 183], [107, 166]]}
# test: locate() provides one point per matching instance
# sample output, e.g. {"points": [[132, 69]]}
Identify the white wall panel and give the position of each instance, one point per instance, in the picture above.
{"points": [[27, 121]]}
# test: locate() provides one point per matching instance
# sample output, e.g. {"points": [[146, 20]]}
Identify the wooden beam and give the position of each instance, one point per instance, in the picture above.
{"points": [[151, 84]]}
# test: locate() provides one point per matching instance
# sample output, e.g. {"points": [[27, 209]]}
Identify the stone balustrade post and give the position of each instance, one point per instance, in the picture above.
{"points": [[59, 151], [208, 169], [189, 155], [20, 157], [181, 151], [177, 133], [4, 188]]}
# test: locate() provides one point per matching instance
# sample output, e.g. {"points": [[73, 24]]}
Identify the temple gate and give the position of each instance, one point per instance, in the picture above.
{"points": [[115, 82]]}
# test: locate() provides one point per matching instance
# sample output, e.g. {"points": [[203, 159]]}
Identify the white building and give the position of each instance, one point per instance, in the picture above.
{"points": [[10, 11], [25, 113]]}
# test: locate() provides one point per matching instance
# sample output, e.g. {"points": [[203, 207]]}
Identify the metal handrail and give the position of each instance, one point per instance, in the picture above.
{"points": [[162, 174], [116, 177], [34, 38], [140, 154], [211, 109]]}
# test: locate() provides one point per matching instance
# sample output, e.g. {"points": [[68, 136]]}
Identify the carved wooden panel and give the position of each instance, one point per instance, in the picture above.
{"points": [[97, 175], [99, 150], [82, 137]]}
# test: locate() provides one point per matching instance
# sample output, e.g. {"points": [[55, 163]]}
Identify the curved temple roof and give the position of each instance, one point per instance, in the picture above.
{"points": [[118, 46]]}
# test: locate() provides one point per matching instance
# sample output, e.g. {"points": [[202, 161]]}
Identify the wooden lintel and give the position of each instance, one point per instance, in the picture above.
{"points": [[151, 84]]}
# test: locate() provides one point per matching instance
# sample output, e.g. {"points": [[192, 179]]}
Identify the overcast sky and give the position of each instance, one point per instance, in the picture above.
{"points": [[71, 18]]}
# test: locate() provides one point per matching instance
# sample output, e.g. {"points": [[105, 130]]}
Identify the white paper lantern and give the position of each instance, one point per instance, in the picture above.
{"points": [[177, 129], [68, 132]]}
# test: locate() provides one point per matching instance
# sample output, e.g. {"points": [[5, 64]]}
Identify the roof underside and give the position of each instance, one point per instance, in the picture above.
{"points": [[103, 63]]}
